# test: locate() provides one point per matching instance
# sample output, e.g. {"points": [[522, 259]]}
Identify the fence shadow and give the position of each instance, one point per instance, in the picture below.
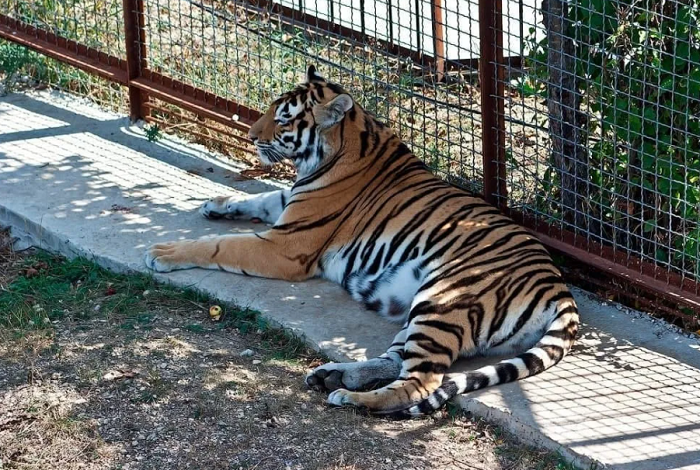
{"points": [[617, 396], [87, 174]]}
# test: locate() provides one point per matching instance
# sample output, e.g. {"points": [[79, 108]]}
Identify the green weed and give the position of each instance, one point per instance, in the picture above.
{"points": [[52, 288], [153, 133]]}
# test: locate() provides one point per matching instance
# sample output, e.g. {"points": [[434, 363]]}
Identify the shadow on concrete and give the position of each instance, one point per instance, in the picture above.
{"points": [[109, 193], [85, 182]]}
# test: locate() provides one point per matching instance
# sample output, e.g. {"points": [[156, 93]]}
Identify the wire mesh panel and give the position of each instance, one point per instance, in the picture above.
{"points": [[410, 62], [603, 127], [75, 24], [24, 69], [593, 137], [94, 23]]}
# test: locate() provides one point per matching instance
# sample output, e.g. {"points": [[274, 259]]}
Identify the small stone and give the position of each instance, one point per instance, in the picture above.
{"points": [[256, 362], [146, 293], [247, 353], [97, 307]]}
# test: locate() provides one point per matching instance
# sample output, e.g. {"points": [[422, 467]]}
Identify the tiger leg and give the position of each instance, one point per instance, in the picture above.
{"points": [[425, 362], [266, 206], [257, 254], [363, 375]]}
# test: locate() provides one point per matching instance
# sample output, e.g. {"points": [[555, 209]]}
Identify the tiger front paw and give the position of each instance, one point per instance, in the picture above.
{"points": [[326, 378], [166, 257], [364, 375], [221, 207]]}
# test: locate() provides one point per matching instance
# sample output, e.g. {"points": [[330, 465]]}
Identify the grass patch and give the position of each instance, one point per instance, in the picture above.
{"points": [[195, 328], [49, 288]]}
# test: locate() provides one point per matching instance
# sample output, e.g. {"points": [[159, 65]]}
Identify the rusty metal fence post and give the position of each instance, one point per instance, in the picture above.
{"points": [[491, 77], [135, 38], [438, 39]]}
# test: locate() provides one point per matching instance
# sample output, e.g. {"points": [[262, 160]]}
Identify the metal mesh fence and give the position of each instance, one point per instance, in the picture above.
{"points": [[94, 23], [382, 52], [610, 93], [23, 69], [590, 127]]}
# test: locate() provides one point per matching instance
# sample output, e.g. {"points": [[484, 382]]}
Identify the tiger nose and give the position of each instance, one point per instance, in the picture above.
{"points": [[252, 135]]}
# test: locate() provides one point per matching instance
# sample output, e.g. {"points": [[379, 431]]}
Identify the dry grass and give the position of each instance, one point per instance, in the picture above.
{"points": [[159, 385]]}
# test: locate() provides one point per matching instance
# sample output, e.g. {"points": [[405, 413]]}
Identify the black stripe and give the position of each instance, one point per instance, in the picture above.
{"points": [[406, 254], [555, 352], [475, 314], [476, 381], [428, 367], [507, 372], [376, 263], [438, 254], [216, 252], [563, 334], [533, 363], [412, 355], [456, 330], [450, 388], [299, 226], [526, 314], [564, 311], [430, 344], [350, 265]]}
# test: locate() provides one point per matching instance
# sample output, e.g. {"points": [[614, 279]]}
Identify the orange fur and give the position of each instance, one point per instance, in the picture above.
{"points": [[365, 211]]}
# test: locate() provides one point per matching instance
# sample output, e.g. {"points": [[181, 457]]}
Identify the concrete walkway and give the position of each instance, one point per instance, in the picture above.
{"points": [[81, 181]]}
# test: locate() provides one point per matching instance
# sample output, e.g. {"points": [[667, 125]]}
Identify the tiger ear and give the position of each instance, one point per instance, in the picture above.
{"points": [[313, 76], [329, 114]]}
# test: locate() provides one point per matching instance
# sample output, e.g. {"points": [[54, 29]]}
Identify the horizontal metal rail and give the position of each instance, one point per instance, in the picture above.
{"points": [[664, 284], [64, 50], [198, 101], [115, 69], [317, 25]]}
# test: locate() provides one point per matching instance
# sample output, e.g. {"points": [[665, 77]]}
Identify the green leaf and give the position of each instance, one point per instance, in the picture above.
{"points": [[662, 255], [667, 84]]}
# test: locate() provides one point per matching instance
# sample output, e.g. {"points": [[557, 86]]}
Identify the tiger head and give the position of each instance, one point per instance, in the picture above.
{"points": [[296, 124]]}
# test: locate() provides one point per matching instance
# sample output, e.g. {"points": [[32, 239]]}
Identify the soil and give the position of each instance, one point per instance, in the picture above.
{"points": [[169, 389]]}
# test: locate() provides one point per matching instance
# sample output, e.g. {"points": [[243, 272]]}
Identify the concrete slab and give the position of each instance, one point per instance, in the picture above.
{"points": [[81, 181]]}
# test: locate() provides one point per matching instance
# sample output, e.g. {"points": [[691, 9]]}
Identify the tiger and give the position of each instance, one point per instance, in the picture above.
{"points": [[461, 278]]}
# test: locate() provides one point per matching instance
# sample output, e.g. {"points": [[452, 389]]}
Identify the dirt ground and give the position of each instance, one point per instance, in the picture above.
{"points": [[92, 380]]}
